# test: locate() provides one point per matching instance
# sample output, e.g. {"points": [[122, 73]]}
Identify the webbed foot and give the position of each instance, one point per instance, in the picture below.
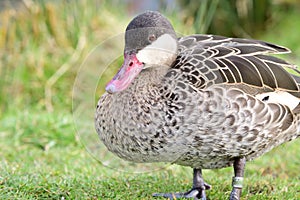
{"points": [[197, 192]]}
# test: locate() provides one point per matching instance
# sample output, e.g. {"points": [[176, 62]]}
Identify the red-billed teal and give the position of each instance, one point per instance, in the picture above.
{"points": [[202, 101]]}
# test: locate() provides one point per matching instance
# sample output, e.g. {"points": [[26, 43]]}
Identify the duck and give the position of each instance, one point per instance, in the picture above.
{"points": [[203, 101]]}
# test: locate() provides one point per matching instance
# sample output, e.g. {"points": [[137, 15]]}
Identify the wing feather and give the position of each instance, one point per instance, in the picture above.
{"points": [[223, 60]]}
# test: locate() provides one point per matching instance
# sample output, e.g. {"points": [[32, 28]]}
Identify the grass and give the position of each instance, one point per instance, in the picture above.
{"points": [[38, 165], [41, 155]]}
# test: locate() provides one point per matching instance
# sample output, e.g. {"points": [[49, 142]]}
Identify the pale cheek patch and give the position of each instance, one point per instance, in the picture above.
{"points": [[161, 52], [280, 97]]}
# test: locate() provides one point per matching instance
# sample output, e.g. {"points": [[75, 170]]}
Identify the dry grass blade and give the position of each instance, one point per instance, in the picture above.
{"points": [[62, 70]]}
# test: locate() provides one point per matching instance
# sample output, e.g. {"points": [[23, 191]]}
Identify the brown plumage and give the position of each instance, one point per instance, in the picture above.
{"points": [[212, 103]]}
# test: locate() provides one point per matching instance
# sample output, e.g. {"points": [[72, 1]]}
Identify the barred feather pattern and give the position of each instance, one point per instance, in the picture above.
{"points": [[203, 111], [233, 60]]}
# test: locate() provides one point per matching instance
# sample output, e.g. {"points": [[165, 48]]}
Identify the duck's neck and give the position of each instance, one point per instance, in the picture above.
{"points": [[151, 76]]}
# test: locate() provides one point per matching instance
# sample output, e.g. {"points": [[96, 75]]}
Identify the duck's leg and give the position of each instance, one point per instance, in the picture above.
{"points": [[197, 191], [237, 180]]}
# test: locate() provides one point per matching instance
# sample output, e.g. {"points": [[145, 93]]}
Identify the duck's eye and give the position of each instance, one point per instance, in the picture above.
{"points": [[151, 38]]}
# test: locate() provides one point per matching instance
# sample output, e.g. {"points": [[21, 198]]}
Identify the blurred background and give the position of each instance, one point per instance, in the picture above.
{"points": [[38, 38], [43, 43]]}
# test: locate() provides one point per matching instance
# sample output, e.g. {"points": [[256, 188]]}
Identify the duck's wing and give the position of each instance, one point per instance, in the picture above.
{"points": [[210, 59]]}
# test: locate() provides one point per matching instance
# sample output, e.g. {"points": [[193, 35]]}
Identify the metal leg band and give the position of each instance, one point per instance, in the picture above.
{"points": [[237, 182]]}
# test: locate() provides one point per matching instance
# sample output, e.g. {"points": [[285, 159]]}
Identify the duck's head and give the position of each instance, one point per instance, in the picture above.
{"points": [[150, 41]]}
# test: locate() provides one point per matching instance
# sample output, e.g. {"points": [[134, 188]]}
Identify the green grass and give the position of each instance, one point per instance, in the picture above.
{"points": [[42, 157]]}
